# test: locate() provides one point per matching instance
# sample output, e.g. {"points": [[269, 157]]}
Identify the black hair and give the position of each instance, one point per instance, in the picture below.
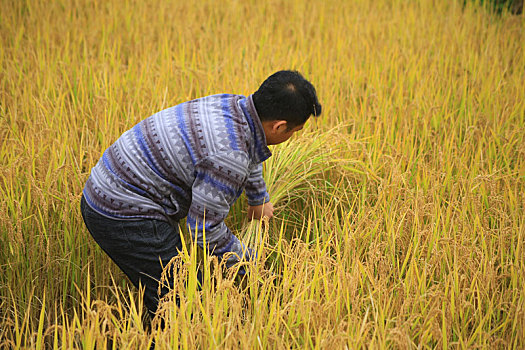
{"points": [[286, 95]]}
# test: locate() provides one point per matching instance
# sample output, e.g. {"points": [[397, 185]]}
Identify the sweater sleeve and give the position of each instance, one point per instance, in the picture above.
{"points": [[219, 181], [256, 187]]}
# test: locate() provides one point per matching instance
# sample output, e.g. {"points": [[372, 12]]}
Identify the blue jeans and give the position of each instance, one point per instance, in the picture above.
{"points": [[137, 247]]}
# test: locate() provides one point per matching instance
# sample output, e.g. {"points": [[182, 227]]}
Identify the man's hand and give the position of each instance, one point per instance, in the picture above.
{"points": [[259, 211]]}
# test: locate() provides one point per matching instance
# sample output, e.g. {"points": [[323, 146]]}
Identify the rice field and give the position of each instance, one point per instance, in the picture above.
{"points": [[399, 219]]}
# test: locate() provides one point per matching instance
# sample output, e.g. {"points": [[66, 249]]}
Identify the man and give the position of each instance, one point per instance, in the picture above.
{"points": [[192, 160]]}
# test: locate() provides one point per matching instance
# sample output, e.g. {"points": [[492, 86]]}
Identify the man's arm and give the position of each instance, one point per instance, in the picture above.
{"points": [[258, 198], [218, 183]]}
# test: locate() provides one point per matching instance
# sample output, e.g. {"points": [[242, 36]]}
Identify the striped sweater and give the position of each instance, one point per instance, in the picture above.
{"points": [[192, 160]]}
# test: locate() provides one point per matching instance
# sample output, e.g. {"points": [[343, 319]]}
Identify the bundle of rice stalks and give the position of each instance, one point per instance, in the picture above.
{"points": [[294, 172]]}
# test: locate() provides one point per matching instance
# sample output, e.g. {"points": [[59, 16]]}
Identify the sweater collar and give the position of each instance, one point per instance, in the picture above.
{"points": [[260, 151]]}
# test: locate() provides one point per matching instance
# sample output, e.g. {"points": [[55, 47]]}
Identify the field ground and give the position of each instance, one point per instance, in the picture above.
{"points": [[400, 218]]}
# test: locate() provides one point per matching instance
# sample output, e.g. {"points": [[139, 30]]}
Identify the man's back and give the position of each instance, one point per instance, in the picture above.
{"points": [[154, 165]]}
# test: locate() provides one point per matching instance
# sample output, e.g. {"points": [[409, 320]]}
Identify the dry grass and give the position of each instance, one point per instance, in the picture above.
{"points": [[400, 221]]}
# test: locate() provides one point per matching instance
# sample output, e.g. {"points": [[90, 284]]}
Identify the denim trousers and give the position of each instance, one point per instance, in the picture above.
{"points": [[140, 248]]}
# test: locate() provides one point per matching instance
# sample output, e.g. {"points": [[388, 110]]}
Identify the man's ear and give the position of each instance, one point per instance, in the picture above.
{"points": [[279, 125]]}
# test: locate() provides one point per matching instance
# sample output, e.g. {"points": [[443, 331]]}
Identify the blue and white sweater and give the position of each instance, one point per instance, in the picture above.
{"points": [[193, 160]]}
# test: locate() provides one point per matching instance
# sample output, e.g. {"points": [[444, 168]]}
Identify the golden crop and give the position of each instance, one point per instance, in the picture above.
{"points": [[400, 219]]}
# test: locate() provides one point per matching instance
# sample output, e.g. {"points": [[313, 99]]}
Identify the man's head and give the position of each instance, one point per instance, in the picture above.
{"points": [[284, 102]]}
